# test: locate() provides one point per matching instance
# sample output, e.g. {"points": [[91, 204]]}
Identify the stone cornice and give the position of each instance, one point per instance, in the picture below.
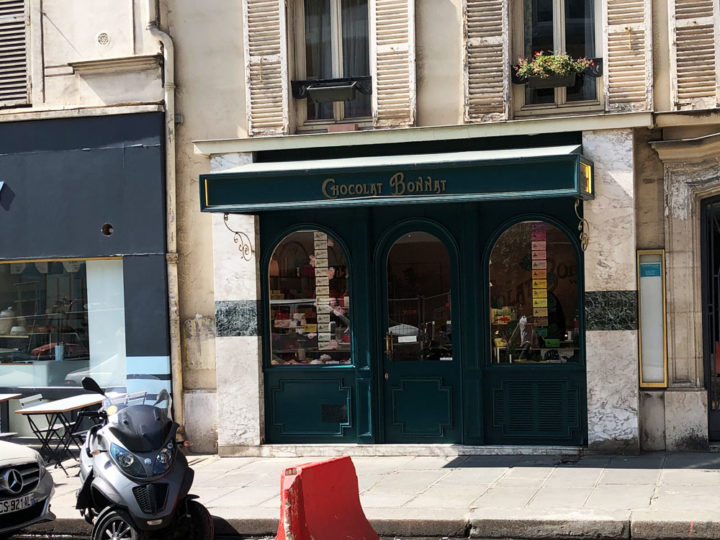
{"points": [[536, 126], [688, 150]]}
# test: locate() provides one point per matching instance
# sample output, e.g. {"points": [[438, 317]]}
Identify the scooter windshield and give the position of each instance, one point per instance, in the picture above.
{"points": [[141, 428]]}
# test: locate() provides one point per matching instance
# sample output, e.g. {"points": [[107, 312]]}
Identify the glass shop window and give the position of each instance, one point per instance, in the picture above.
{"points": [[309, 301], [418, 300], [61, 321], [534, 296]]}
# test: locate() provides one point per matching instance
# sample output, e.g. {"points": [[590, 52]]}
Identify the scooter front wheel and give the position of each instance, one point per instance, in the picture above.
{"points": [[192, 522], [115, 524]]}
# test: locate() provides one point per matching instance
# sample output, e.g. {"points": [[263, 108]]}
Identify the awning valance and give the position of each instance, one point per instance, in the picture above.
{"points": [[556, 171]]}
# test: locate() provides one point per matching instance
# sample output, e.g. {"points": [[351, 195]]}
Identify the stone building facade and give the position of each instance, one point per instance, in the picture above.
{"points": [[264, 100]]}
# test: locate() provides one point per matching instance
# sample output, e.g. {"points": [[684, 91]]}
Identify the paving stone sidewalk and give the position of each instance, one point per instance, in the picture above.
{"points": [[651, 496]]}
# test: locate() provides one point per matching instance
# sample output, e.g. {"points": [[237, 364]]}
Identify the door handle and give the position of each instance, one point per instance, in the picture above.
{"points": [[387, 376], [388, 346]]}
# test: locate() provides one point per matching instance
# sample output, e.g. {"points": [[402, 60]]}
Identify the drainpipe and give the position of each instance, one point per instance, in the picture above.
{"points": [[170, 200]]}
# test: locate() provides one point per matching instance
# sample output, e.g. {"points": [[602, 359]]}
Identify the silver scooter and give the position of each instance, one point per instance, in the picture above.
{"points": [[135, 481]]}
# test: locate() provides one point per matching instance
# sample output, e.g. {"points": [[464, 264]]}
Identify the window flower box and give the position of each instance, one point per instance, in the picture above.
{"points": [[551, 81], [553, 70]]}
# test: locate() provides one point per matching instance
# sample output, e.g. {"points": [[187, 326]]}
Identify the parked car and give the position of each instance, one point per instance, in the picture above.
{"points": [[25, 488]]}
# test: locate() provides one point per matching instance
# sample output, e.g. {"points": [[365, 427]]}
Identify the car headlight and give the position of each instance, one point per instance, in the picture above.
{"points": [[128, 462]]}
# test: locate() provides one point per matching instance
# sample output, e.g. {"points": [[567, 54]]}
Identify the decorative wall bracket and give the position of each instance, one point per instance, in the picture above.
{"points": [[583, 227], [245, 246]]}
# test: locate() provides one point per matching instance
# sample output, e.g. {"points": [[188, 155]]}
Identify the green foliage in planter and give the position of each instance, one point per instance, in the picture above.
{"points": [[547, 65]]}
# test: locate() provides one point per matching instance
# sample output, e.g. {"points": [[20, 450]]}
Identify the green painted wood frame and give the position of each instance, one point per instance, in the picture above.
{"points": [[410, 386], [473, 228]]}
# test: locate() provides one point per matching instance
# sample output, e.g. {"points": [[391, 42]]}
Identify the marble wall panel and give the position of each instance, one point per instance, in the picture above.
{"points": [[235, 277], [239, 392], [610, 256], [613, 397], [237, 318], [238, 361], [611, 310]]}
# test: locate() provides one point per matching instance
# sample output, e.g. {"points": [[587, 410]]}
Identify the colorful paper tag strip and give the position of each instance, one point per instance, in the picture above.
{"points": [[538, 243]]}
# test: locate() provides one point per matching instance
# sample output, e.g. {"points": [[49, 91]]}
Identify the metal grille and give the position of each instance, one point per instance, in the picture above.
{"points": [[151, 497], [30, 473]]}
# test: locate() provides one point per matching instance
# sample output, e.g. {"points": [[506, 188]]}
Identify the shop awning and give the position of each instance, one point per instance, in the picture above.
{"points": [[555, 171]]}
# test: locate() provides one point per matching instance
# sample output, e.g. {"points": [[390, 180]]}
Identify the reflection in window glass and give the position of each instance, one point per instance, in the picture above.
{"points": [[418, 303], [309, 301], [533, 296], [61, 321]]}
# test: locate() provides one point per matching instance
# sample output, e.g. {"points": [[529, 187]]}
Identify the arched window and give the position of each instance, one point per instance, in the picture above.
{"points": [[309, 301], [534, 296]]}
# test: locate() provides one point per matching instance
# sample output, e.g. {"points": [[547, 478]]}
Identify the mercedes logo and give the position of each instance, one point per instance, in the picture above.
{"points": [[13, 481]]}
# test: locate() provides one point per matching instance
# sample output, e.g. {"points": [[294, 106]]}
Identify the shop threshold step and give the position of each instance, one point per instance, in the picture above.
{"points": [[440, 450]]}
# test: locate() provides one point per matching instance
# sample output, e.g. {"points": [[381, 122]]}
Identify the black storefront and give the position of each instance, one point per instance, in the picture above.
{"points": [[82, 254]]}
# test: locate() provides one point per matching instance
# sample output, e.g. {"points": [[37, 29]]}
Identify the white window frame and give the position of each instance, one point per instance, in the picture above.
{"points": [[560, 103], [299, 68]]}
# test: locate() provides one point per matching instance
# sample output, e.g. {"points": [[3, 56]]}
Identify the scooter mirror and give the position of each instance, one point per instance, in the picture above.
{"points": [[90, 385], [163, 396]]}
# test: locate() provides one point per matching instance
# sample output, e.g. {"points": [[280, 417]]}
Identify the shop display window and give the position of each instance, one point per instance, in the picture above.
{"points": [[309, 301], [534, 296], [61, 321], [418, 301]]}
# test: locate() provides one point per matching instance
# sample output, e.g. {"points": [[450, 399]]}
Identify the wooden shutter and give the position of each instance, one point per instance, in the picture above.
{"points": [[628, 75], [266, 73], [695, 39], [14, 87], [486, 60], [392, 62]]}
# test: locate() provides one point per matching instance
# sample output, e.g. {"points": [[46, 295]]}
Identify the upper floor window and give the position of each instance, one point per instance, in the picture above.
{"points": [[333, 44], [14, 85], [560, 26]]}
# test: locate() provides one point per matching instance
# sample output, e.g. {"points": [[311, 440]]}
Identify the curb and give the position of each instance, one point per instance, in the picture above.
{"points": [[406, 529], [671, 530], [606, 529]]}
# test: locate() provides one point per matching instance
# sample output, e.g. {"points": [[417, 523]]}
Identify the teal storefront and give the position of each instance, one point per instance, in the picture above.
{"points": [[423, 299]]}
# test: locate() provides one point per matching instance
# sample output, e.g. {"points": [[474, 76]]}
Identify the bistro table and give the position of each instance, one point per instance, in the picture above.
{"points": [[56, 439], [4, 398]]}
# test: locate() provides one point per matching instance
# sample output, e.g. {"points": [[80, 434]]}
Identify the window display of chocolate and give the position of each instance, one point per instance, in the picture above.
{"points": [[309, 301], [419, 318], [533, 296]]}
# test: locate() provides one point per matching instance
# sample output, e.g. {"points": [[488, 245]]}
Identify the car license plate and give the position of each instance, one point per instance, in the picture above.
{"points": [[13, 505]]}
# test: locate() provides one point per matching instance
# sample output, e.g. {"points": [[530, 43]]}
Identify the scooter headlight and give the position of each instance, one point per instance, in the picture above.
{"points": [[127, 461], [163, 460]]}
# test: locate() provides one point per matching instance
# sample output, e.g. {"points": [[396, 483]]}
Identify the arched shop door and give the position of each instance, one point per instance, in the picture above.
{"points": [[535, 381], [420, 362], [309, 372]]}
